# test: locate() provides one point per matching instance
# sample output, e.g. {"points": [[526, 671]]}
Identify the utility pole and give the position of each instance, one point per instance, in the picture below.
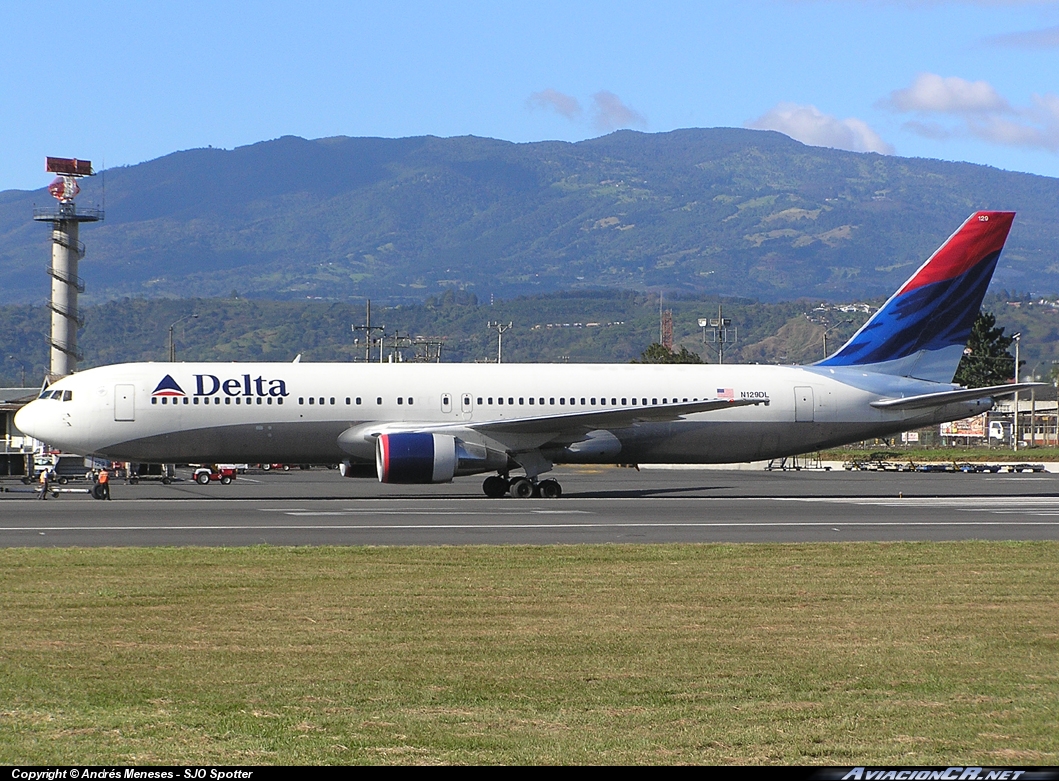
{"points": [[500, 328], [1015, 423], [367, 328]]}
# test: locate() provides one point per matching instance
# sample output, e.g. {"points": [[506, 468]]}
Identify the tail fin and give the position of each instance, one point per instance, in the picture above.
{"points": [[922, 330]]}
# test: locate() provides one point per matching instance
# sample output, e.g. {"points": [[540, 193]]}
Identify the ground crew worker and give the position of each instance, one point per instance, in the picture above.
{"points": [[104, 483], [45, 476]]}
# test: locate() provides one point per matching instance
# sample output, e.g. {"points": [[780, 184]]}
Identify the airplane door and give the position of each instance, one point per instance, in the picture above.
{"points": [[803, 404], [446, 402], [466, 405], [124, 402]]}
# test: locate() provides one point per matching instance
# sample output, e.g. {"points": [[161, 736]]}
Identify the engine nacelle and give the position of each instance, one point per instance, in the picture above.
{"points": [[431, 458], [349, 469]]}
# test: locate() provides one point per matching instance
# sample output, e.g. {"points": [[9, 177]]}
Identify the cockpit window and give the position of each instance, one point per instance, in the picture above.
{"points": [[57, 394], [45, 394], [68, 395]]}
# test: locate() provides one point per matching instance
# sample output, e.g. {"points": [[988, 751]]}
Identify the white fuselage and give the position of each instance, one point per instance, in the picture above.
{"points": [[296, 412]]}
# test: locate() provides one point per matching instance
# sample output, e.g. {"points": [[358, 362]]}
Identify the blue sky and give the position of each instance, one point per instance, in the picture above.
{"points": [[121, 83]]}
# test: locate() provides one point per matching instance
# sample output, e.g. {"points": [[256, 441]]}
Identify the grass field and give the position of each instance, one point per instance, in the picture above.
{"points": [[824, 654], [948, 454]]}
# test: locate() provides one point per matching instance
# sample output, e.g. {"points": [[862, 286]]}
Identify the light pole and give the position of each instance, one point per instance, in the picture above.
{"points": [[172, 347], [1015, 421], [832, 328], [500, 328], [21, 366]]}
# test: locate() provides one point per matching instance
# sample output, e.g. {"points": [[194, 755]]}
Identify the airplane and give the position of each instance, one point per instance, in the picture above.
{"points": [[429, 423]]}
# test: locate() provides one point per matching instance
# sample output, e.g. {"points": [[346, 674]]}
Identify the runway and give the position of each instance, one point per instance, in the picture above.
{"points": [[600, 505]]}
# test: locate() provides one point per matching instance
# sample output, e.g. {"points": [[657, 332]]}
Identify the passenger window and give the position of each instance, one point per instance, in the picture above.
{"points": [[593, 400], [490, 399], [258, 401], [410, 401], [279, 400], [347, 401], [551, 401], [301, 400], [521, 400], [186, 400], [583, 402], [238, 401], [196, 400], [154, 401], [531, 400], [400, 400], [378, 400], [562, 401], [624, 402], [510, 400], [312, 400], [500, 400], [479, 401], [269, 399], [321, 399], [332, 401], [228, 400], [358, 399]]}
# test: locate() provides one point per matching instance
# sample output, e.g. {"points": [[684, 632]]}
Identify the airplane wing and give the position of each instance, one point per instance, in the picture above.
{"points": [[528, 433], [621, 417], [950, 397]]}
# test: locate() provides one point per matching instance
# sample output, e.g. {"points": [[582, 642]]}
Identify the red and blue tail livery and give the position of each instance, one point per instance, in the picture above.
{"points": [[921, 331]]}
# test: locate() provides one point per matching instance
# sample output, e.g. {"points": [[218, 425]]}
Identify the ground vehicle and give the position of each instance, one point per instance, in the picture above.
{"points": [[222, 473]]}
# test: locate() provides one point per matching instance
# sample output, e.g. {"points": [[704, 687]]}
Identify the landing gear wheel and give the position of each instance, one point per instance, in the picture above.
{"points": [[550, 489], [202, 478], [522, 488], [495, 486]]}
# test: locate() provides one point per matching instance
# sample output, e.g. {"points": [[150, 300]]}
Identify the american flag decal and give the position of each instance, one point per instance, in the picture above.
{"points": [[726, 393]]}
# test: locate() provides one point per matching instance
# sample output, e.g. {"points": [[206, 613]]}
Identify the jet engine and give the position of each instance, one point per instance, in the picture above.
{"points": [[432, 458]]}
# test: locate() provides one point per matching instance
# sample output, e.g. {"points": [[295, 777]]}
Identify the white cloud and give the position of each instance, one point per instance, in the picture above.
{"points": [[954, 108], [611, 113], [811, 126], [562, 104], [1047, 38], [933, 93]]}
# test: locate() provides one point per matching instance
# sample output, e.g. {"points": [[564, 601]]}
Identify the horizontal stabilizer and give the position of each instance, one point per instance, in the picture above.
{"points": [[951, 397]]}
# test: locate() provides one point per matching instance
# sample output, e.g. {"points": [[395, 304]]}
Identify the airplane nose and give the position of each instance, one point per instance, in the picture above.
{"points": [[29, 421]]}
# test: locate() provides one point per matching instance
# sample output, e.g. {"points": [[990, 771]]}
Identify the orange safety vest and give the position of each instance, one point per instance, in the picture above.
{"points": [[104, 477]]}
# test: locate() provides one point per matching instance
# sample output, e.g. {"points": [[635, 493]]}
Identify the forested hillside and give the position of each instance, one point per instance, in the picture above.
{"points": [[593, 327], [718, 211]]}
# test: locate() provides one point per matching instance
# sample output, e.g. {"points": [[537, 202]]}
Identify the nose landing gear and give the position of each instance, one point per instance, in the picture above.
{"points": [[521, 488]]}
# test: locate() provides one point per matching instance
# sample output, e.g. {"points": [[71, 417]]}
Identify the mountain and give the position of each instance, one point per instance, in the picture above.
{"points": [[700, 211]]}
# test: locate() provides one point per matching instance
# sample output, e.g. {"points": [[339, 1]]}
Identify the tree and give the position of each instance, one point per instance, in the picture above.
{"points": [[658, 353], [986, 361]]}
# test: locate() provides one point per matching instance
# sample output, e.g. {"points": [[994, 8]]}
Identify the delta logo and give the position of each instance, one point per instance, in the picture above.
{"points": [[167, 387]]}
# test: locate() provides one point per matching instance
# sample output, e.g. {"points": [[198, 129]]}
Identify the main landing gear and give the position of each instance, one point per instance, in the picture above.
{"points": [[521, 487]]}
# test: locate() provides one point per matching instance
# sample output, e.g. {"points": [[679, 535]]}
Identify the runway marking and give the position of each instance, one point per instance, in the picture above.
{"points": [[505, 526]]}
